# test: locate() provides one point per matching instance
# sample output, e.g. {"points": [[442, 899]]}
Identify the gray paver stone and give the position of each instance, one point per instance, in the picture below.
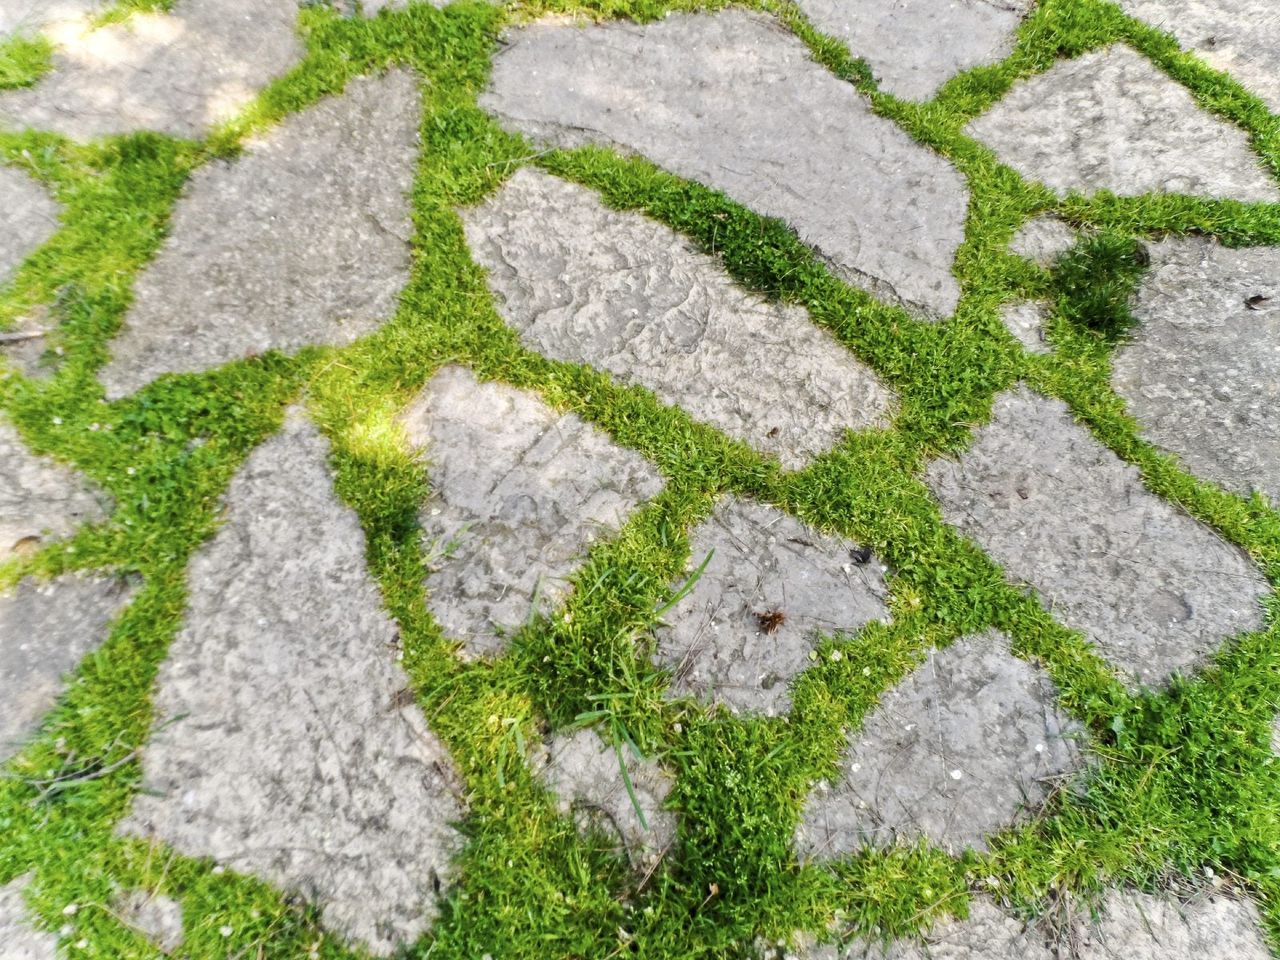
{"points": [[519, 492], [1111, 120], [30, 218], [28, 17], [1152, 588], [734, 101], [584, 283], [1202, 373], [154, 916], [40, 497], [303, 240], [282, 744], [1043, 240], [1140, 926], [763, 560], [19, 937], [1025, 320]]}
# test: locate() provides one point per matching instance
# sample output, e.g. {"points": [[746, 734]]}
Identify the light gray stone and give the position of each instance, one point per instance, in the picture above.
{"points": [[1202, 373], [1025, 320], [1155, 590], [283, 744], [915, 46], [584, 773], [736, 102], [1110, 120], [179, 73], [519, 492], [40, 497], [584, 283], [1241, 37], [154, 916], [961, 748], [1043, 240], [371, 8], [20, 939], [1140, 926], [29, 17], [46, 628], [30, 218], [763, 560], [303, 240]]}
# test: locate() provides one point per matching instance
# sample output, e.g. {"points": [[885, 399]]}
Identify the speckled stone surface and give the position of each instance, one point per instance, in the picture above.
{"points": [[30, 218], [1043, 239], [623, 293], [734, 101], [156, 917], [20, 938], [1025, 319], [1140, 926], [28, 17]]}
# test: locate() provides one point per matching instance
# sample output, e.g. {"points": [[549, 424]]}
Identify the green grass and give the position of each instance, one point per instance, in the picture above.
{"points": [[1184, 779]]}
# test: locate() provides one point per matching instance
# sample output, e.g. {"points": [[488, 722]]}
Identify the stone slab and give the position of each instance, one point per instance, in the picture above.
{"points": [[1111, 120], [1025, 319], [587, 284], [28, 17], [1241, 37], [19, 937], [1043, 240], [763, 560], [734, 101], [971, 740], [303, 240], [156, 917], [30, 218], [283, 743], [584, 773], [1152, 588], [1202, 372], [519, 492], [915, 46], [178, 73], [46, 628], [1141, 926]]}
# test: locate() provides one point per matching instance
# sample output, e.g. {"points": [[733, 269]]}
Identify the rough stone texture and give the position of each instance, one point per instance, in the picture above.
{"points": [[45, 630], [302, 240], [154, 916], [914, 46], [1155, 590], [1202, 374], [178, 73], [30, 218], [1025, 320], [282, 743], [582, 770], [955, 752], [19, 938], [763, 560], [1241, 37], [519, 492], [1043, 240], [1139, 926], [615, 290], [28, 17], [1110, 120], [734, 101], [39, 497]]}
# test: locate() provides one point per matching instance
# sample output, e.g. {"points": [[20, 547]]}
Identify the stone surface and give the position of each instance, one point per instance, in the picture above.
{"points": [[19, 937], [1241, 37], [1202, 373], [583, 771], [29, 17], [914, 46], [625, 294], [1043, 240], [735, 102], [1110, 120], [30, 218], [1025, 320], [1140, 926], [1151, 587], [958, 750], [156, 917], [283, 744], [178, 73], [303, 240], [519, 492], [45, 630], [40, 497], [763, 560]]}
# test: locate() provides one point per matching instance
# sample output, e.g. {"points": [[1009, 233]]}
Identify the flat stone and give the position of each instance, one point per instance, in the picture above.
{"points": [[734, 101], [154, 916], [1202, 373], [519, 492], [1241, 37], [178, 73], [303, 240], [960, 749], [30, 218], [584, 773], [29, 17], [283, 745], [1043, 240], [915, 46], [1025, 320], [587, 284], [46, 628], [1140, 926], [40, 497], [763, 560], [1155, 590], [21, 938], [1111, 120]]}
